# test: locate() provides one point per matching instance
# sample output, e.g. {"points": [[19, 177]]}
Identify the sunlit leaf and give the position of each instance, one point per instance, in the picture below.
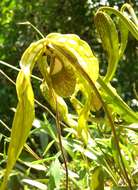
{"points": [[97, 179], [22, 123], [35, 183], [109, 36], [36, 166], [56, 175]]}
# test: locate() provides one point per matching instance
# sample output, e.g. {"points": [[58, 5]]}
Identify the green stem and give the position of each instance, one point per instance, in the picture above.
{"points": [[134, 90], [60, 140], [16, 69], [29, 23]]}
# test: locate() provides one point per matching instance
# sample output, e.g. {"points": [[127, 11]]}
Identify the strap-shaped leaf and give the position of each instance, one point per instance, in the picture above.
{"points": [[97, 181], [114, 101], [109, 36], [24, 115], [131, 12], [124, 29], [82, 120], [123, 37], [22, 123], [132, 27]]}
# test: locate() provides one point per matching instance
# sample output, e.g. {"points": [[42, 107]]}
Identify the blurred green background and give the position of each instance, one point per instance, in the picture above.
{"points": [[64, 16]]}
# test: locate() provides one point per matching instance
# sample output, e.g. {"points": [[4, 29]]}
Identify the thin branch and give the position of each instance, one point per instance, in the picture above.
{"points": [[134, 90], [30, 24], [50, 112], [16, 69], [6, 76]]}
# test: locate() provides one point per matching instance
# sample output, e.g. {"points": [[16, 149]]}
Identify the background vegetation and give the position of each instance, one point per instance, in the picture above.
{"points": [[64, 16]]}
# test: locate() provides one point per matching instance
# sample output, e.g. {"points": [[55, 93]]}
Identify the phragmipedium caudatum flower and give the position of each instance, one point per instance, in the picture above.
{"points": [[66, 53]]}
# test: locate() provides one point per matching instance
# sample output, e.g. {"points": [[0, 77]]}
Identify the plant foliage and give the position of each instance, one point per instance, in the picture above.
{"points": [[70, 73]]}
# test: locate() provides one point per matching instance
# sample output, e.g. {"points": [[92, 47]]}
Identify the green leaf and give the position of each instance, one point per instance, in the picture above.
{"points": [[97, 180], [114, 101], [133, 126], [35, 166], [22, 123], [56, 175], [124, 188], [25, 114], [109, 36], [123, 37], [83, 118], [132, 27], [35, 183]]}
